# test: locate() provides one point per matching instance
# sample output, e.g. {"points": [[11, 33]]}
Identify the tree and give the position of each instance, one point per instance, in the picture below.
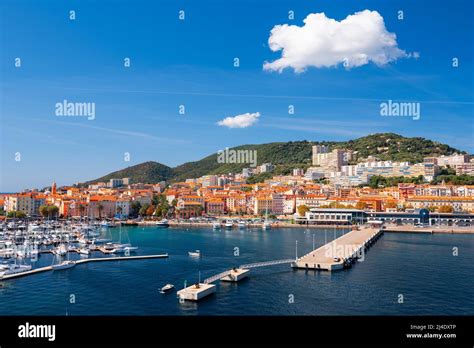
{"points": [[302, 210], [135, 208], [150, 210], [143, 209], [361, 205], [445, 209], [54, 210], [16, 214], [48, 211], [44, 211]]}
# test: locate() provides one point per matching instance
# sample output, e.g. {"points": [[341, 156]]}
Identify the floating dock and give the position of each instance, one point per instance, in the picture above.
{"points": [[99, 259], [196, 292], [236, 275], [341, 252]]}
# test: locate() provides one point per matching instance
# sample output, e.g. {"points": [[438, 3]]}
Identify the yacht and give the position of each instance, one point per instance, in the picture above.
{"points": [[84, 251], [167, 288], [216, 226], [105, 224], [242, 224], [163, 224], [196, 253], [13, 269], [61, 250], [229, 224], [266, 225], [63, 265], [124, 249]]}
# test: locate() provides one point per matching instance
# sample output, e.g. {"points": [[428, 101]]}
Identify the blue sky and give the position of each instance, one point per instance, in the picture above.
{"points": [[190, 63]]}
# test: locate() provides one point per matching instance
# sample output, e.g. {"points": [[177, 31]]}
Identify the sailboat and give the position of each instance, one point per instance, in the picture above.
{"points": [[63, 265], [120, 248], [266, 223]]}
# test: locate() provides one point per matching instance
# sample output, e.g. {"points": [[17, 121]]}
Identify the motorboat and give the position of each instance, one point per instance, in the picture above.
{"points": [[167, 288], [124, 249], [14, 269], [229, 224], [196, 253], [63, 265], [163, 224], [84, 251], [61, 250], [242, 224], [216, 226], [266, 225]]}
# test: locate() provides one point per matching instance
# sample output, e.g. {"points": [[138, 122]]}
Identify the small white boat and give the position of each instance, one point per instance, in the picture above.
{"points": [[167, 288], [196, 253], [229, 224], [163, 224], [63, 265], [84, 251], [14, 269], [124, 249], [242, 224], [61, 250], [266, 225], [216, 226]]}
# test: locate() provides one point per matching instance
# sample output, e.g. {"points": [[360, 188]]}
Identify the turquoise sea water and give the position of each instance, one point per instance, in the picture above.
{"points": [[420, 267]]}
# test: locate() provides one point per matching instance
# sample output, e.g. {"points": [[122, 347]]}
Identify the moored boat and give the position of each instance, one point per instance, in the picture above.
{"points": [[162, 224]]}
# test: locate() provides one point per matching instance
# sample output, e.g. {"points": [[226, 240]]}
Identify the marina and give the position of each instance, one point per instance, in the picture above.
{"points": [[234, 285], [101, 259]]}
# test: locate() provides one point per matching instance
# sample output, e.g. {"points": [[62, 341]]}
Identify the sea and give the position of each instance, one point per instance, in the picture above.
{"points": [[402, 274]]}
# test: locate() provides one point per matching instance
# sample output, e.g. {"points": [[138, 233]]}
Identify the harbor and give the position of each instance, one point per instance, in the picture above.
{"points": [[133, 287]]}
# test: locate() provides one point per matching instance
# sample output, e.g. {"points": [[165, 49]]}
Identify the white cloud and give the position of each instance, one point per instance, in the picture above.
{"points": [[324, 42], [240, 121]]}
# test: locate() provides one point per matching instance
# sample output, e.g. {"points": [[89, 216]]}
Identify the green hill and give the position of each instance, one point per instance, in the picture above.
{"points": [[147, 172], [289, 155]]}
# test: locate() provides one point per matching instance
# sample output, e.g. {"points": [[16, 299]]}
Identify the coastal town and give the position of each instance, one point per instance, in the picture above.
{"points": [[330, 183]]}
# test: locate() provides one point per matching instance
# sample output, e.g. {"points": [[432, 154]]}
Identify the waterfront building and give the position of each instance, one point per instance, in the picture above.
{"points": [[122, 207], [215, 206], [101, 207], [289, 204], [311, 200], [458, 204], [263, 204], [278, 203]]}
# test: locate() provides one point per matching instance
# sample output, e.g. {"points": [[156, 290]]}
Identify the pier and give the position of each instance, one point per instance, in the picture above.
{"points": [[341, 252], [99, 259]]}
